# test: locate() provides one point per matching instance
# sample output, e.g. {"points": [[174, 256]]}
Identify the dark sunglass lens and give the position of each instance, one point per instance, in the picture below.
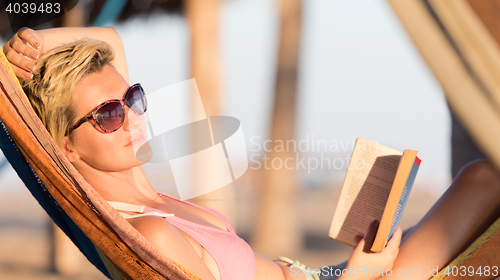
{"points": [[136, 100], [110, 116]]}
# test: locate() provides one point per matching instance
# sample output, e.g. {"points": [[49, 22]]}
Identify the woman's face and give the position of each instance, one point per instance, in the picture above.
{"points": [[105, 151]]}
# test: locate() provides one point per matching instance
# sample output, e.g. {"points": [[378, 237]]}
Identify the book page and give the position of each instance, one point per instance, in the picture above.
{"points": [[365, 190]]}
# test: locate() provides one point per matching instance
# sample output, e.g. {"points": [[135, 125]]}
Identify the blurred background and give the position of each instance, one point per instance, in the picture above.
{"points": [[318, 72]]}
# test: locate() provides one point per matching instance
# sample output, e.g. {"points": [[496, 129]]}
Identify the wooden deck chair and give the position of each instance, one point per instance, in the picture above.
{"points": [[102, 235], [460, 41]]}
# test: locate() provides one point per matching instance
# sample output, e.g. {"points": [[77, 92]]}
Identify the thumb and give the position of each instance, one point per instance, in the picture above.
{"points": [[395, 240]]}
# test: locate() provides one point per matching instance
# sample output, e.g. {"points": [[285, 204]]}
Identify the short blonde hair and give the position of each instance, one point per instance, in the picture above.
{"points": [[57, 72]]}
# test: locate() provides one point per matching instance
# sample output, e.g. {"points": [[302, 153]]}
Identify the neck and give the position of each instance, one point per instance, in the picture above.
{"points": [[130, 186]]}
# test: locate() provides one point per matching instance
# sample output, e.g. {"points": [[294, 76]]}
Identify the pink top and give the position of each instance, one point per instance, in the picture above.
{"points": [[233, 255]]}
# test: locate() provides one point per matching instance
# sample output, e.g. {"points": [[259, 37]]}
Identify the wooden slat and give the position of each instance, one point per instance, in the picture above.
{"points": [[464, 94], [474, 44], [489, 13], [482, 253]]}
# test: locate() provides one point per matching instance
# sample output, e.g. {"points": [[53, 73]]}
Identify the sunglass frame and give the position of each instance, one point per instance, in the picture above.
{"points": [[92, 118]]}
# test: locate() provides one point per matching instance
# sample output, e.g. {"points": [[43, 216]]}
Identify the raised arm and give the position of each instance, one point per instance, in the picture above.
{"points": [[26, 45]]}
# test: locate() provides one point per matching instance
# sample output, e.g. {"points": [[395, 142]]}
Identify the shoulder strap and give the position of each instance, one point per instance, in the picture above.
{"points": [[121, 206]]}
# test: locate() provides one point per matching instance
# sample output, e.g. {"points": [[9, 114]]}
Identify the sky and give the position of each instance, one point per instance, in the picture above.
{"points": [[359, 76]]}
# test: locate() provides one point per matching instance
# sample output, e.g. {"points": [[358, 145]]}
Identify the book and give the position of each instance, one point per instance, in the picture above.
{"points": [[376, 187]]}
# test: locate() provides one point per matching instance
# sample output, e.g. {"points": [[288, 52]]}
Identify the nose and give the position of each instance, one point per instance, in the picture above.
{"points": [[132, 120]]}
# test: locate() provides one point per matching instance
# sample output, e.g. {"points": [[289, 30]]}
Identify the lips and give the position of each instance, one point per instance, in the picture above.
{"points": [[137, 139]]}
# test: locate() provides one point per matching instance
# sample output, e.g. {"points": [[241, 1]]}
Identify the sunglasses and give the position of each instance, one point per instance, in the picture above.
{"points": [[109, 116]]}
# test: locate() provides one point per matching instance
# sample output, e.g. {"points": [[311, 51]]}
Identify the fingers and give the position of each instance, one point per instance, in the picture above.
{"points": [[20, 61], [28, 34], [395, 241], [21, 73], [24, 49], [22, 66], [7, 46], [370, 235]]}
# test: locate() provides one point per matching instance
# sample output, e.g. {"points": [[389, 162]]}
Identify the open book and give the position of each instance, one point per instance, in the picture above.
{"points": [[376, 186]]}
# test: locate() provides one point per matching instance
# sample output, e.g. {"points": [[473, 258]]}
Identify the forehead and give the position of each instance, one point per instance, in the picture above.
{"points": [[96, 88]]}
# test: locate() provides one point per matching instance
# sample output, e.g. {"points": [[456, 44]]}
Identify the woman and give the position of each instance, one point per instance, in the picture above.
{"points": [[69, 81]]}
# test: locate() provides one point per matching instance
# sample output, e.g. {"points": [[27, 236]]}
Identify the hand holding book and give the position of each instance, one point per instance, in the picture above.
{"points": [[363, 260], [376, 187]]}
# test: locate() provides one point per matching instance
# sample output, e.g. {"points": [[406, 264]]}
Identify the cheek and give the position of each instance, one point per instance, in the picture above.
{"points": [[103, 151], [90, 140], [90, 146]]}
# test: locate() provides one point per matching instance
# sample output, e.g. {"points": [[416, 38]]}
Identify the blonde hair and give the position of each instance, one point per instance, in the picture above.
{"points": [[57, 72]]}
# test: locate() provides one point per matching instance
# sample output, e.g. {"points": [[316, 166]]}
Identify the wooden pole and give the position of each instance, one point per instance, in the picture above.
{"points": [[203, 18], [277, 231]]}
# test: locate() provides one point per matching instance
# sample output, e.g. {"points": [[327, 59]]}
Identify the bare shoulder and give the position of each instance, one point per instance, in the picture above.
{"points": [[167, 239], [157, 230]]}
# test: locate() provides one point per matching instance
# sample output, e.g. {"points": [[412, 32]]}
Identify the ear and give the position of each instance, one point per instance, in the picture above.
{"points": [[69, 150]]}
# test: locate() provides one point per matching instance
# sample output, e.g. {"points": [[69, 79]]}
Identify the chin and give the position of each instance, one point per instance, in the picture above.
{"points": [[144, 153]]}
